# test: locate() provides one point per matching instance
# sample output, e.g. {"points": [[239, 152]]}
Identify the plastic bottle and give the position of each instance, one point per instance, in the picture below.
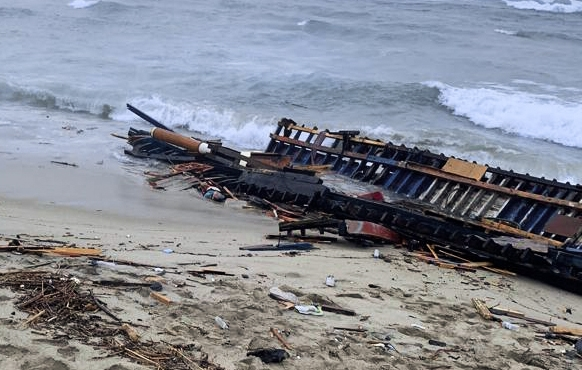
{"points": [[111, 265], [510, 326], [376, 253], [220, 322]]}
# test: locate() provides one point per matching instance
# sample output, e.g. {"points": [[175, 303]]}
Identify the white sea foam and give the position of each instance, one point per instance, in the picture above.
{"points": [[540, 116], [560, 6], [80, 4], [240, 131], [505, 32]]}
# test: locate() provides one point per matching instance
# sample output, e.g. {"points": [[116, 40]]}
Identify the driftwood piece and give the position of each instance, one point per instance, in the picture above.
{"points": [[518, 315], [131, 332], [136, 355], [358, 330], [48, 250], [160, 297], [103, 308], [338, 309], [74, 252], [302, 238], [492, 269], [32, 318], [65, 163], [482, 309], [303, 246], [566, 330], [280, 338], [119, 283], [506, 312], [203, 272]]}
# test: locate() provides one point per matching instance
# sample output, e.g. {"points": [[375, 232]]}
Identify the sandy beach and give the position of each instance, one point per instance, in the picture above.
{"points": [[408, 314]]}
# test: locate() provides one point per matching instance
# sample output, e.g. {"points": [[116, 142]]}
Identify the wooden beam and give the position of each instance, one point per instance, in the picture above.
{"points": [[498, 226], [160, 297], [565, 330]]}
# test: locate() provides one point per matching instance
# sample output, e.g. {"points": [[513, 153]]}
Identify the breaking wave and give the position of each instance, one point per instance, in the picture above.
{"points": [[506, 32], [44, 98], [533, 115], [80, 4], [554, 6], [238, 130]]}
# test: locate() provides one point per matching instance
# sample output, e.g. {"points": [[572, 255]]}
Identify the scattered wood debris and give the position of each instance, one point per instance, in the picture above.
{"points": [[59, 302], [36, 245]]}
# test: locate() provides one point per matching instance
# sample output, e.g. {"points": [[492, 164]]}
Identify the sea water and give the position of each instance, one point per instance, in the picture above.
{"points": [[492, 81]]}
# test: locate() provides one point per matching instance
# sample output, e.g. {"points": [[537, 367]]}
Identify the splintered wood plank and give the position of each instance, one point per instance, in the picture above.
{"points": [[482, 309], [73, 252]]}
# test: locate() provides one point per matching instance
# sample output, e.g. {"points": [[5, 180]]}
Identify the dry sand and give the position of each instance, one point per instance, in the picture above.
{"points": [[403, 303]]}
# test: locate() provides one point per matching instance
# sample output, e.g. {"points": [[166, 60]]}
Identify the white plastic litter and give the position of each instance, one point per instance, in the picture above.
{"points": [[221, 323], [330, 280], [509, 326]]}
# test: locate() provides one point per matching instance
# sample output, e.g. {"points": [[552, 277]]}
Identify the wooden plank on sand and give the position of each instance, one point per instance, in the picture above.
{"points": [[74, 252], [565, 330], [161, 298], [337, 309]]}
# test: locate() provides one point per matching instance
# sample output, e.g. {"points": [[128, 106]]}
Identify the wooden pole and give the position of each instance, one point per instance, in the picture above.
{"points": [[182, 141]]}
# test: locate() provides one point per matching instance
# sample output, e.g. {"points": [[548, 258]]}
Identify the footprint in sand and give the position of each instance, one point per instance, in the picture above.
{"points": [[14, 353], [69, 352], [44, 363]]}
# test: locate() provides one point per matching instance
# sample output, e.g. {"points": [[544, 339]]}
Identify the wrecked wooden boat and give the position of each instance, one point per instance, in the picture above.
{"points": [[491, 198], [487, 212]]}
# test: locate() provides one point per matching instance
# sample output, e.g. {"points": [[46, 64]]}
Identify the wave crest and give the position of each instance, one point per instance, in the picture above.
{"points": [[81, 4], [209, 122], [553, 6], [43, 98], [540, 116]]}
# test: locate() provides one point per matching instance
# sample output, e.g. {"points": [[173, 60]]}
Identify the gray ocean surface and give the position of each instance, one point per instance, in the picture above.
{"points": [[493, 81]]}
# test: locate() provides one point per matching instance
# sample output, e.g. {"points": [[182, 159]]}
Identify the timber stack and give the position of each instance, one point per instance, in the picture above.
{"points": [[531, 224]]}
